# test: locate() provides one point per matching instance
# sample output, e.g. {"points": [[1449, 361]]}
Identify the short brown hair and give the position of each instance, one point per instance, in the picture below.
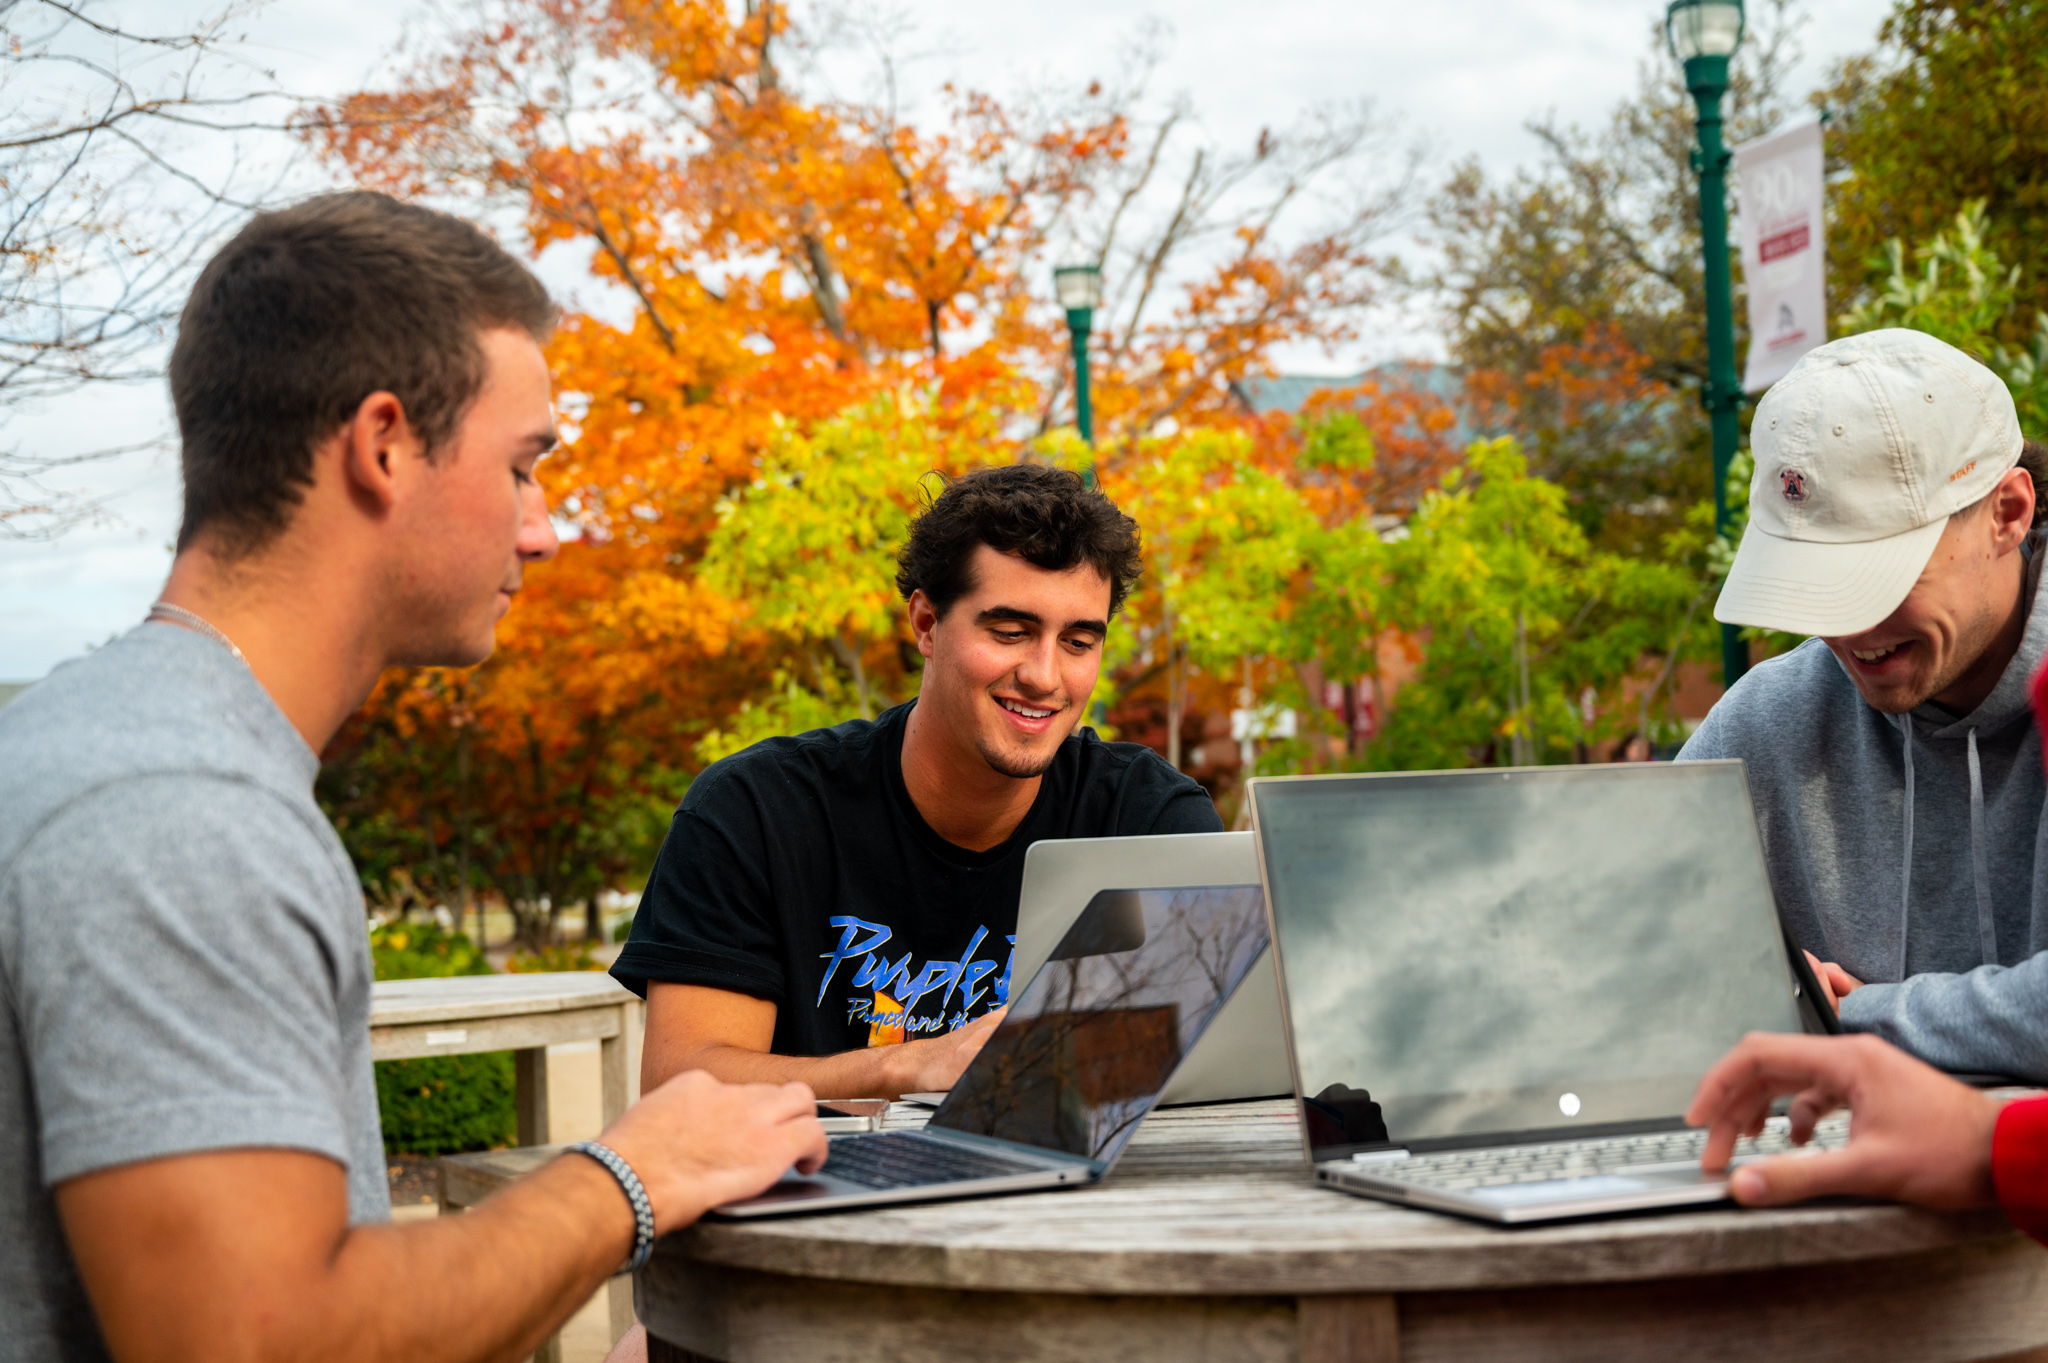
{"points": [[1046, 516], [307, 312], [2034, 459]]}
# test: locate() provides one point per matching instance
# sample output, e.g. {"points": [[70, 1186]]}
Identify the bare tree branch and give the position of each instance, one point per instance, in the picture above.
{"points": [[105, 211]]}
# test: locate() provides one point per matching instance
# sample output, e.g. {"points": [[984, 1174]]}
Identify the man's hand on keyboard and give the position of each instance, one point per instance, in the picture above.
{"points": [[934, 1064], [1915, 1134], [697, 1143]]}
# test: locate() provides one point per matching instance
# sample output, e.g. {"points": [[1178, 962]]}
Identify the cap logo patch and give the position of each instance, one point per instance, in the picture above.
{"points": [[1963, 470], [1794, 484]]}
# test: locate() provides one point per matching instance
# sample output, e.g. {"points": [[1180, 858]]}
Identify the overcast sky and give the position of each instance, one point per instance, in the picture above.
{"points": [[1466, 75]]}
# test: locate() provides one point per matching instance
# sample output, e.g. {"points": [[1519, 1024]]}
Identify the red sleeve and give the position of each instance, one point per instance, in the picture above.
{"points": [[2019, 1164]]}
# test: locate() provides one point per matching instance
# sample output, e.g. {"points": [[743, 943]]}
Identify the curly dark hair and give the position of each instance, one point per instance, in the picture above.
{"points": [[1044, 515]]}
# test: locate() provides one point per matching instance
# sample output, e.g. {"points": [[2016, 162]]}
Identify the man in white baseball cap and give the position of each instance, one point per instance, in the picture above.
{"points": [[1896, 773]]}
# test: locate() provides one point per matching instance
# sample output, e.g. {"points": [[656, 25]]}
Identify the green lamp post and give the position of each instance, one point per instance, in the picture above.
{"points": [[1079, 288], [1703, 35]]}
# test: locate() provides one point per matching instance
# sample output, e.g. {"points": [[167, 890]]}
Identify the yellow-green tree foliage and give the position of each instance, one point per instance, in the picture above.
{"points": [[1952, 109], [1517, 611], [1955, 287], [1520, 614], [808, 548]]}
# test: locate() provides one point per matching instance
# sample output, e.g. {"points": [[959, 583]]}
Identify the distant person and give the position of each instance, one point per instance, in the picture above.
{"points": [[840, 907], [190, 1161], [1635, 748], [1898, 782]]}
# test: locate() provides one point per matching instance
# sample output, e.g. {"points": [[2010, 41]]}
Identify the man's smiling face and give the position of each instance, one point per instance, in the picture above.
{"points": [[1937, 645], [1010, 667]]}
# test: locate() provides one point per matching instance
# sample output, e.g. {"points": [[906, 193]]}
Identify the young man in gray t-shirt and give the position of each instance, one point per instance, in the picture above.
{"points": [[190, 1163]]}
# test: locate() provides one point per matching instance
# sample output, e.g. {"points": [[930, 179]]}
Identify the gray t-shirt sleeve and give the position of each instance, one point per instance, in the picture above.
{"points": [[175, 977]]}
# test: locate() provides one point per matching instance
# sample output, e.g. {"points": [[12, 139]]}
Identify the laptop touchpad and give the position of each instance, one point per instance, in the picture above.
{"points": [[1594, 1185]]}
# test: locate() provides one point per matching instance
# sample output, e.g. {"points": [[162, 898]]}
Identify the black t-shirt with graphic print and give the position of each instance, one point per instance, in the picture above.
{"points": [[800, 872]]}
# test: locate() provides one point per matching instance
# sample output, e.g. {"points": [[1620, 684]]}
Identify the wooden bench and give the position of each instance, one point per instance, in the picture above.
{"points": [[524, 1014]]}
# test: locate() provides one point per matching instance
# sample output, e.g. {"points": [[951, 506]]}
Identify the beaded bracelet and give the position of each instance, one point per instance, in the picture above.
{"points": [[636, 1193]]}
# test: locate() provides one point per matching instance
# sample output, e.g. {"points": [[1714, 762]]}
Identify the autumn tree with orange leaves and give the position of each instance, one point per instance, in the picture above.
{"points": [[785, 261]]}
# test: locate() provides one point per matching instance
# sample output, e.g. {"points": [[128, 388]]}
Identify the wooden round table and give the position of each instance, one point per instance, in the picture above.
{"points": [[1209, 1242]]}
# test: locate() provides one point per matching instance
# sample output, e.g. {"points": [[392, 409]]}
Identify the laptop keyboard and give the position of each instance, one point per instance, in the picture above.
{"points": [[1502, 1165], [906, 1159]]}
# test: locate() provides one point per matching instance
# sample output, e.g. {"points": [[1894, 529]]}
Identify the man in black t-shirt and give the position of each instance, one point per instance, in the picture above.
{"points": [[840, 907]]}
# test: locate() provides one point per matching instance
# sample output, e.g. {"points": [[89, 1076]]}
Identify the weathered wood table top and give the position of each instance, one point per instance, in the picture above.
{"points": [[1209, 1240], [464, 997]]}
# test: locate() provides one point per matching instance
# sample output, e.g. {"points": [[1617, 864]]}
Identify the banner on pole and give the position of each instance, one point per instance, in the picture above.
{"points": [[1784, 256]]}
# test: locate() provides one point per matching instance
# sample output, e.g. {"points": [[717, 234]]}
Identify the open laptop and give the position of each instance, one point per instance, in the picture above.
{"points": [[1501, 987], [1243, 1054], [1082, 1056]]}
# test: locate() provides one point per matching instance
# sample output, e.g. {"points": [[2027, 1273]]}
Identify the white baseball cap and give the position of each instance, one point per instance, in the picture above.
{"points": [[1862, 453]]}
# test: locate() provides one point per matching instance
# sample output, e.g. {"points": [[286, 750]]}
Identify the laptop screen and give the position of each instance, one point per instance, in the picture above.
{"points": [[1484, 952], [1087, 1047]]}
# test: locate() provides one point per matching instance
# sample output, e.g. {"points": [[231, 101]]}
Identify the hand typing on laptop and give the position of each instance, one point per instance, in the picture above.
{"points": [[1525, 1050], [731, 1036], [1084, 1053], [1916, 1135]]}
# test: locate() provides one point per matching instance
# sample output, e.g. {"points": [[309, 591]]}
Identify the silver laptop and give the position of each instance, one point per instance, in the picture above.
{"points": [[1244, 1052], [1501, 987], [1083, 1055]]}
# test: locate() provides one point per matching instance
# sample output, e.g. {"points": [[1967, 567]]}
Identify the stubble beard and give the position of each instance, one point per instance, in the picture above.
{"points": [[1017, 769], [447, 639], [1966, 656]]}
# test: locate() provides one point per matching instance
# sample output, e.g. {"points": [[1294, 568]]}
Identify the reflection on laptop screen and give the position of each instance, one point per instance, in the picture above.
{"points": [[1478, 952], [1086, 1048]]}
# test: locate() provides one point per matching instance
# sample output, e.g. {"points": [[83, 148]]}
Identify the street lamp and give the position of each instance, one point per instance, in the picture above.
{"points": [[1079, 289], [1703, 35]]}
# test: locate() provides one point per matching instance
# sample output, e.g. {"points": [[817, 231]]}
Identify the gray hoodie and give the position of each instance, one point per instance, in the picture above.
{"points": [[1848, 799]]}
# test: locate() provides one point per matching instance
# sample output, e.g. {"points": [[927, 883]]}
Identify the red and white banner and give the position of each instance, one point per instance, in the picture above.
{"points": [[1784, 255]]}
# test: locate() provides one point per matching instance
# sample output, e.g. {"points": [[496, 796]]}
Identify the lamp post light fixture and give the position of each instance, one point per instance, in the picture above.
{"points": [[1703, 35], [1079, 289]]}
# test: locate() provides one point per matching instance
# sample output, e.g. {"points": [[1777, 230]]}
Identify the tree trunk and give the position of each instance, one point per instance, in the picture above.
{"points": [[1310, 675], [1379, 704], [849, 658], [765, 72], [1523, 745], [1247, 750], [824, 287], [465, 899], [1176, 697]]}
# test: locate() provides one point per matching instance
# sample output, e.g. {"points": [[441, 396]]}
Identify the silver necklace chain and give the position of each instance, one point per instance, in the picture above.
{"points": [[164, 610]]}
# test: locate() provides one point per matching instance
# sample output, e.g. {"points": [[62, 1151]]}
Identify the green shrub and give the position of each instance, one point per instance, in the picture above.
{"points": [[443, 1103], [447, 1103], [555, 956], [414, 951]]}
